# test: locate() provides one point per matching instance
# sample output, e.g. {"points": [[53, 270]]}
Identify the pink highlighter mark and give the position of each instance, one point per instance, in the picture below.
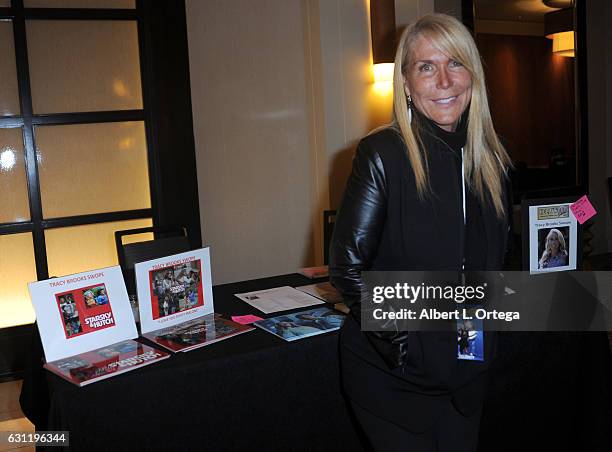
{"points": [[245, 319], [583, 209]]}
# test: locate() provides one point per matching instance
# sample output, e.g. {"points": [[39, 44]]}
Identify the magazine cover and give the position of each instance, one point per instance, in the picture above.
{"points": [[553, 238], [174, 289], [105, 362], [196, 333], [82, 312], [299, 325]]}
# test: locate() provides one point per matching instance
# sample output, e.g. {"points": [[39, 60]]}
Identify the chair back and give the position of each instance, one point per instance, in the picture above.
{"points": [[329, 220], [168, 241]]}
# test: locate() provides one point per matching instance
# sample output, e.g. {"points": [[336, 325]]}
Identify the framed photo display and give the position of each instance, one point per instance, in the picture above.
{"points": [[81, 312], [174, 289], [551, 236]]}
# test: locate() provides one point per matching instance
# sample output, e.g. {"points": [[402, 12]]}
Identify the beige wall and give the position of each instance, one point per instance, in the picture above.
{"points": [[350, 107], [347, 102], [251, 126], [282, 91]]}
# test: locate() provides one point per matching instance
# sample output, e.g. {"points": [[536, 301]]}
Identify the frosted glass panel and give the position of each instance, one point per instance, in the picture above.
{"points": [[79, 4], [9, 94], [84, 65], [17, 269], [81, 248], [92, 168], [14, 204]]}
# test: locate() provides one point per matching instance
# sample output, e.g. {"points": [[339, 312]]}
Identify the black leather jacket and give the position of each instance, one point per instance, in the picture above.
{"points": [[383, 225]]}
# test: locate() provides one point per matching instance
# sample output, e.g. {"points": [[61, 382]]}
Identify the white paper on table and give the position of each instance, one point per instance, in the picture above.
{"points": [[278, 299]]}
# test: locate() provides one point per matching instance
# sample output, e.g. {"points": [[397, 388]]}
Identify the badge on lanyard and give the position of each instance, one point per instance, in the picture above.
{"points": [[470, 337]]}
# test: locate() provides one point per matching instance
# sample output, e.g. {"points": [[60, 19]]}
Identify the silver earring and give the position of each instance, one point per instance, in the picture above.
{"points": [[409, 109]]}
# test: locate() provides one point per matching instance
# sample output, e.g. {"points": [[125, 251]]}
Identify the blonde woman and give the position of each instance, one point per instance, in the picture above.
{"points": [[428, 192], [555, 252]]}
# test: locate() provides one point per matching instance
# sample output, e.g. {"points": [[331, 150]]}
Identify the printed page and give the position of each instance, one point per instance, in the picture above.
{"points": [[278, 299]]}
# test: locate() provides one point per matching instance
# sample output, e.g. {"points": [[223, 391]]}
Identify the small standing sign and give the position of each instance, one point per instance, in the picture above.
{"points": [[82, 312], [174, 289], [550, 236]]}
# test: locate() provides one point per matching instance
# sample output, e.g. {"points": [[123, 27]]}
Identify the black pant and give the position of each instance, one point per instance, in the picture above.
{"points": [[452, 432]]}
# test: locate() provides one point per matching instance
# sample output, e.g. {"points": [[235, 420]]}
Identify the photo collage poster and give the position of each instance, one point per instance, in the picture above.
{"points": [[553, 238], [85, 309], [174, 289], [81, 312]]}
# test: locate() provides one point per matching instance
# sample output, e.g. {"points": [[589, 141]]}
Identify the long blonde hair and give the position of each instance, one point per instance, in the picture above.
{"points": [[486, 161], [548, 251]]}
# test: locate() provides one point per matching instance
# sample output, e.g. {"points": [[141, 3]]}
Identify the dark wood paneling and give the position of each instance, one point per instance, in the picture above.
{"points": [[467, 14], [581, 96], [382, 25], [79, 220], [165, 69], [78, 14], [531, 94], [88, 117]]}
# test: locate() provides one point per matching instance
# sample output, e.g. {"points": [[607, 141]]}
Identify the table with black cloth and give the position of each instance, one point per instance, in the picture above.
{"points": [[249, 392], [546, 391]]}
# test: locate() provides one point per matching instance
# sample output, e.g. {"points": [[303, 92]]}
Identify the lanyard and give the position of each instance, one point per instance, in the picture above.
{"points": [[463, 196], [463, 184]]}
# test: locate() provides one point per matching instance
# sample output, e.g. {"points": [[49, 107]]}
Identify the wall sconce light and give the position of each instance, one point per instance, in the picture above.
{"points": [[382, 25], [563, 43], [383, 72], [559, 26]]}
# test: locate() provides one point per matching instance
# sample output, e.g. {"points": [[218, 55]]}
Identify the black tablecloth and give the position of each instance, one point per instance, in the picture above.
{"points": [[252, 391], [547, 391]]}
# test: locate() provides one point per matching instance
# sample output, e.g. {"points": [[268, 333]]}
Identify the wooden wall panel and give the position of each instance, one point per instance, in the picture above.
{"points": [[531, 94]]}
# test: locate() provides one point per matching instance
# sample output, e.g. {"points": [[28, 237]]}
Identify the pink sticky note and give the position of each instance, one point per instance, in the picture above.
{"points": [[583, 209], [245, 319]]}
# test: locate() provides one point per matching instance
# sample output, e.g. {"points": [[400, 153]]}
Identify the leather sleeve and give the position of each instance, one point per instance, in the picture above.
{"points": [[359, 223]]}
